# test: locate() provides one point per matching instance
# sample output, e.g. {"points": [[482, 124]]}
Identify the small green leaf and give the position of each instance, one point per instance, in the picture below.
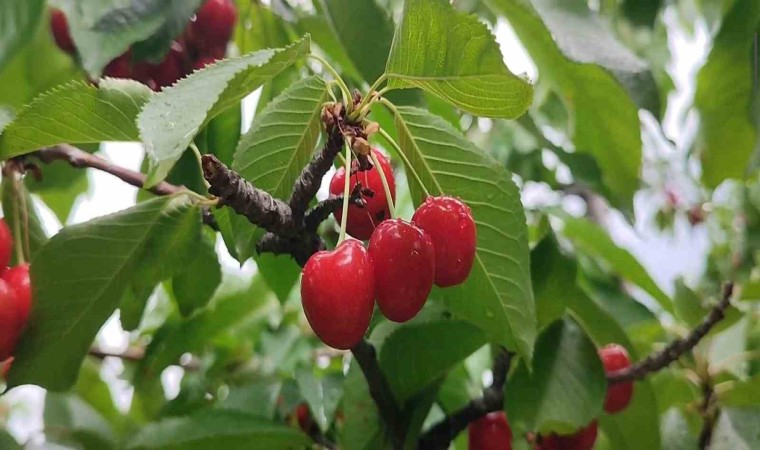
{"points": [[322, 394], [19, 19], [195, 284], [76, 113], [592, 241], [454, 56], [69, 419], [566, 389], [229, 430], [279, 272], [79, 277], [497, 297], [725, 83], [172, 118], [737, 430], [688, 305]]}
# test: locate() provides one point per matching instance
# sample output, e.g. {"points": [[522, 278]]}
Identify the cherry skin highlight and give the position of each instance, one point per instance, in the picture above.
{"points": [[490, 432], [9, 321], [404, 262], [338, 294], [449, 223], [61, 33], [362, 221], [18, 280], [615, 358], [584, 439], [6, 245], [213, 25]]}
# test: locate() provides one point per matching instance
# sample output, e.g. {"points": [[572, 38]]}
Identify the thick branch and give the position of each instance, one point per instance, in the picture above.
{"points": [[307, 185], [677, 348], [380, 390], [81, 159], [258, 206], [441, 434], [300, 247]]}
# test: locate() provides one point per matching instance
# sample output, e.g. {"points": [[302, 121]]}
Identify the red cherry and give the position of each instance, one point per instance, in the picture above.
{"points": [[490, 432], [615, 358], [304, 417], [338, 294], [404, 262], [449, 223], [203, 62], [213, 25], [121, 67], [18, 280], [584, 439], [362, 221], [172, 68], [9, 321], [6, 245], [61, 33]]}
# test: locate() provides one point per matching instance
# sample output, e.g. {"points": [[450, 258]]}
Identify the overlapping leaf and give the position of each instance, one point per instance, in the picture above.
{"points": [[170, 121], [76, 113], [18, 22], [455, 57], [497, 297]]}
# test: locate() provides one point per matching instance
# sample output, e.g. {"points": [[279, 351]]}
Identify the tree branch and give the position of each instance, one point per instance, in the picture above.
{"points": [[366, 355], [677, 348], [441, 434], [709, 415], [307, 185]]}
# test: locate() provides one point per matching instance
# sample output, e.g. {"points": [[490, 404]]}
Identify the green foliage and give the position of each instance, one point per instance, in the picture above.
{"points": [[322, 394], [20, 19], [737, 429], [460, 62]]}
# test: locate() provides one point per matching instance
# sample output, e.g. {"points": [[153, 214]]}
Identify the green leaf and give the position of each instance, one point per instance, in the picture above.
{"points": [[566, 389], [322, 394], [172, 118], [454, 56], [221, 135], [279, 144], [737, 430], [258, 398], [195, 284], [497, 297], [217, 429], [19, 19], [259, 28], [279, 272], [59, 188], [742, 393], [364, 428], [29, 225], [688, 305], [324, 36], [591, 240], [365, 32], [446, 342], [76, 113], [605, 119], [725, 83], [552, 275], [69, 419], [79, 278], [7, 441]]}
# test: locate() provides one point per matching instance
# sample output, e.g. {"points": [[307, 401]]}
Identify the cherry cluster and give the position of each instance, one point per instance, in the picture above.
{"points": [[398, 268], [15, 298], [203, 42], [492, 431]]}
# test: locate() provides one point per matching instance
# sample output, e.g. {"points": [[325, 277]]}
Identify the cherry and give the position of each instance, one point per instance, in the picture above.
{"points": [[18, 280], [6, 245], [490, 432], [9, 321], [203, 61], [363, 220], [583, 439], [172, 68], [303, 416], [449, 223], [403, 259], [615, 358], [61, 33], [213, 25], [338, 293], [121, 67]]}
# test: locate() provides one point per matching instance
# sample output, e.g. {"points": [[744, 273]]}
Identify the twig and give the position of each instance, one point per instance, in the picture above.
{"points": [[441, 434], [380, 390], [307, 185], [709, 415], [136, 354], [677, 348]]}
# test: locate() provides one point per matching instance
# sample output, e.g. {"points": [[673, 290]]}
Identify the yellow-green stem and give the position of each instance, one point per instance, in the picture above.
{"points": [[342, 84], [199, 157], [17, 221], [401, 154], [386, 187], [346, 195]]}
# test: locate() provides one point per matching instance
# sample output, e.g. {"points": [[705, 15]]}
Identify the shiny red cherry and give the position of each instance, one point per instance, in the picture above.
{"points": [[60, 27], [404, 262], [490, 432], [449, 223], [584, 439], [615, 358], [363, 220], [338, 294], [18, 280], [172, 68], [6, 245], [213, 25], [9, 321], [121, 67]]}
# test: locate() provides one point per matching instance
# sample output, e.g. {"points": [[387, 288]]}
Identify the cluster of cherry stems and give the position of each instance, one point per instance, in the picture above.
{"points": [[203, 42], [15, 299]]}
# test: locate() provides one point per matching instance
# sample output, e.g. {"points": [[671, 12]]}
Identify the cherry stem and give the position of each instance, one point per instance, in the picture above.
{"points": [[384, 180], [407, 163], [341, 84], [17, 221], [24, 209], [346, 196], [199, 158], [369, 98]]}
